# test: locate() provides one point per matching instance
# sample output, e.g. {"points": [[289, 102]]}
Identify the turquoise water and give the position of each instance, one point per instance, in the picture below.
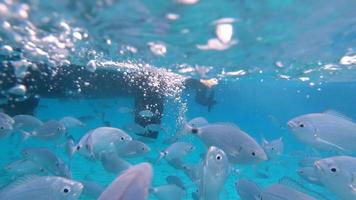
{"points": [[289, 58]]}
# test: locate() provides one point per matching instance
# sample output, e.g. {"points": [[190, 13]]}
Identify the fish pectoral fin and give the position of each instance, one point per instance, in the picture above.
{"points": [[329, 143], [353, 188]]}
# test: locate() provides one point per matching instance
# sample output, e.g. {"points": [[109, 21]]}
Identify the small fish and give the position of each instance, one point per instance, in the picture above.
{"points": [[42, 187], [134, 128], [125, 110], [146, 113], [154, 127], [24, 167], [338, 174], [113, 163], [326, 131], [71, 122], [92, 189], [273, 148], [248, 190], [26, 122], [309, 174], [168, 192], [175, 180], [133, 148], [193, 123], [240, 147], [48, 160], [214, 173], [50, 130], [134, 183], [6, 125], [101, 140], [18, 89], [175, 152]]}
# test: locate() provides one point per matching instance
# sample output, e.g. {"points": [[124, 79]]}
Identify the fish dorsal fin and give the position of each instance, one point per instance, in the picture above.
{"points": [[228, 124], [337, 114], [20, 181]]}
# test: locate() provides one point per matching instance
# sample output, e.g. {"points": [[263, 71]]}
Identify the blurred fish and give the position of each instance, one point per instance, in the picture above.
{"points": [[146, 113], [42, 187], [18, 89], [133, 148], [168, 192], [248, 190], [6, 125], [86, 118], [280, 191], [48, 160], [113, 163], [175, 180], [328, 131], [215, 171], [238, 145], [134, 183], [26, 122], [50, 130], [309, 174], [193, 123], [175, 152], [125, 110], [134, 128], [101, 140], [71, 122], [92, 189], [24, 167], [154, 127], [273, 148], [338, 174]]}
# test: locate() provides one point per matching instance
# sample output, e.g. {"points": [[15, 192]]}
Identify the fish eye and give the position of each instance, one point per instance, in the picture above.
{"points": [[301, 125], [218, 157], [253, 153], [122, 138], [2, 128], [78, 148], [194, 130], [143, 148], [66, 190], [59, 128], [333, 170]]}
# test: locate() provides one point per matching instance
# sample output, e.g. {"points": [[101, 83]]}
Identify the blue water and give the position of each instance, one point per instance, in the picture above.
{"points": [[309, 40]]}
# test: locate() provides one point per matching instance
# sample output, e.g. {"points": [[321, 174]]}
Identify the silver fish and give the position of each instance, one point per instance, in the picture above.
{"points": [[327, 131], [50, 130], [168, 192], [26, 122], [134, 183], [71, 122], [214, 172], [175, 180], [176, 151], [48, 160], [24, 167], [248, 190], [309, 174], [42, 187], [273, 148], [280, 191], [133, 148], [338, 174], [101, 140], [238, 145], [113, 163]]}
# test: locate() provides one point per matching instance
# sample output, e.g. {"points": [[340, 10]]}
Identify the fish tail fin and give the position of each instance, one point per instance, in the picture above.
{"points": [[161, 155], [71, 148], [25, 135]]}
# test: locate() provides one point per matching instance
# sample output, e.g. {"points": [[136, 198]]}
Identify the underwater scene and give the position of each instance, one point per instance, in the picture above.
{"points": [[177, 99]]}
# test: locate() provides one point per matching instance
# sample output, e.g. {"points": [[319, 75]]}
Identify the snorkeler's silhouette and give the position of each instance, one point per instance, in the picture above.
{"points": [[64, 82]]}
